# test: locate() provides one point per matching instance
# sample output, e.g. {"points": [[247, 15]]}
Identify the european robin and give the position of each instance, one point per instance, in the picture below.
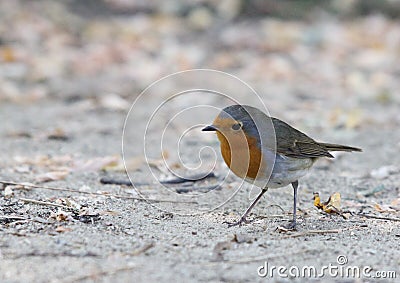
{"points": [[266, 151]]}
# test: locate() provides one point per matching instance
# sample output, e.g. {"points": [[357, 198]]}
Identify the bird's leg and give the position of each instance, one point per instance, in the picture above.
{"points": [[292, 224], [243, 219]]}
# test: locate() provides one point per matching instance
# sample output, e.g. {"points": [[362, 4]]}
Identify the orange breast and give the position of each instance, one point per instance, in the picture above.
{"points": [[242, 155]]}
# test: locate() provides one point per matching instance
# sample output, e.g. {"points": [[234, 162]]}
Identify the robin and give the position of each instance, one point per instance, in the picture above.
{"points": [[266, 151]]}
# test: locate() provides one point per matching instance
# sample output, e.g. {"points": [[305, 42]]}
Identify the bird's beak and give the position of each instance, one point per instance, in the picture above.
{"points": [[209, 128]]}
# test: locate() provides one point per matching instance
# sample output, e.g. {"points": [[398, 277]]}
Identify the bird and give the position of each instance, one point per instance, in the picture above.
{"points": [[267, 152]]}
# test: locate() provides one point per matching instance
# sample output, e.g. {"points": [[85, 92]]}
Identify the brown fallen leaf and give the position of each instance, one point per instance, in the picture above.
{"points": [[19, 134], [61, 215], [165, 154], [134, 163], [62, 229], [331, 206], [395, 204], [383, 208], [7, 54]]}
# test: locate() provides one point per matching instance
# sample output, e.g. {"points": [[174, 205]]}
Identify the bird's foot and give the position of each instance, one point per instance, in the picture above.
{"points": [[291, 225], [239, 223]]}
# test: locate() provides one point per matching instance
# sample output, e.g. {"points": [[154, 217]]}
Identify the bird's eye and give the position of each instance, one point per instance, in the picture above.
{"points": [[237, 126]]}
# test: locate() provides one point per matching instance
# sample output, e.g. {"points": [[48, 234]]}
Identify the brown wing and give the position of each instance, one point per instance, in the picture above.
{"points": [[293, 143]]}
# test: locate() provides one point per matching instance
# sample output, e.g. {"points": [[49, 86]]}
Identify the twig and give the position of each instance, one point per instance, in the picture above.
{"points": [[313, 232], [18, 234], [276, 205], [11, 217], [11, 224], [112, 181], [91, 193], [202, 189], [53, 254], [19, 219], [43, 203], [379, 217]]}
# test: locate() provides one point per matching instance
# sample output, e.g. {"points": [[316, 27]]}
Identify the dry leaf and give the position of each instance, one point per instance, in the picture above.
{"points": [[7, 54], [61, 215], [317, 201], [96, 164], [134, 163], [165, 154], [383, 208], [395, 204], [8, 192], [51, 176], [19, 134], [332, 205], [62, 229]]}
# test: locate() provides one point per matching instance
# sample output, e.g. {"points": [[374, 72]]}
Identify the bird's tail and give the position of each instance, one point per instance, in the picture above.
{"points": [[339, 147]]}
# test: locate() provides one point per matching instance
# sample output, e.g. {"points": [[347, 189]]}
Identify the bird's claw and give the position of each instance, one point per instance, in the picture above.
{"points": [[291, 225], [239, 223]]}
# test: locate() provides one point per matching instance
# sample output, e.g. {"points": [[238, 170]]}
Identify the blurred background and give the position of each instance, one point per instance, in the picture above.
{"points": [[73, 49]]}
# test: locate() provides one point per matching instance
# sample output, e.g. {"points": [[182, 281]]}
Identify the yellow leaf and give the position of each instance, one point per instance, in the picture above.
{"points": [[332, 205], [317, 201]]}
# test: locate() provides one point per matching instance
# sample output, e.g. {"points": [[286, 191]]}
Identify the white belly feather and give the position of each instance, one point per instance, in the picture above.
{"points": [[285, 171]]}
